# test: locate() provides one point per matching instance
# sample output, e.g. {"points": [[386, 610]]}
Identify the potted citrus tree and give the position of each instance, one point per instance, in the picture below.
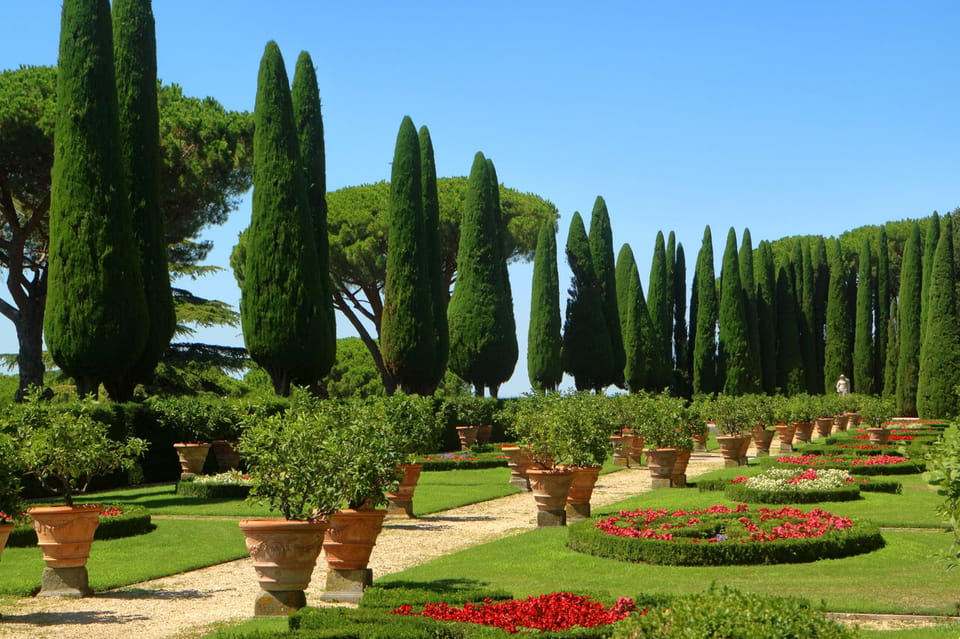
{"points": [[64, 448], [190, 421], [875, 412], [416, 430], [11, 497], [734, 420], [662, 423]]}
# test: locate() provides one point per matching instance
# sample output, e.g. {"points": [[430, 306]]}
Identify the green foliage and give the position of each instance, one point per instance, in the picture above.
{"points": [[704, 308], [194, 420], [64, 447], [931, 240], [544, 339], [733, 363], [413, 423], [742, 493], [407, 334], [876, 411], [892, 353], [635, 323], [722, 613], [863, 352], [805, 290], [586, 354], [601, 251], [96, 318], [943, 471], [563, 429], [766, 316], [881, 312], [790, 374], [908, 325], [280, 305], [731, 414], [838, 352], [11, 499], [681, 350], [661, 317], [660, 419], [747, 282], [354, 373], [940, 347], [440, 292]]}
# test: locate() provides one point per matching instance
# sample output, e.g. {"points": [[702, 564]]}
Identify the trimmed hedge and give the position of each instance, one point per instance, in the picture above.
{"points": [[454, 464], [872, 486], [135, 520], [189, 488], [906, 468], [743, 492], [586, 538], [839, 450], [393, 597]]}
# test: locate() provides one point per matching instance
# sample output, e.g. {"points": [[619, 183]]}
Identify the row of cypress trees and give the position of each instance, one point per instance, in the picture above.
{"points": [[109, 308], [789, 323]]}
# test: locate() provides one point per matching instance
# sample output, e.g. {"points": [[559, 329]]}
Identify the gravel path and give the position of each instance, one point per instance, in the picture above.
{"points": [[187, 605]]}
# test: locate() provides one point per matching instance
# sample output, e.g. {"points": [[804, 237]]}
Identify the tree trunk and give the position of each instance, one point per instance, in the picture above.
{"points": [[29, 327]]}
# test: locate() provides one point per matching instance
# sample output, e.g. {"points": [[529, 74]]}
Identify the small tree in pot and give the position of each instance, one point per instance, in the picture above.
{"points": [[417, 430]]}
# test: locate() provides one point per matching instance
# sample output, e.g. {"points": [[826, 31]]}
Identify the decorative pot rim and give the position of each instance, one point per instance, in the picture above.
{"points": [[266, 524], [550, 471], [58, 510]]}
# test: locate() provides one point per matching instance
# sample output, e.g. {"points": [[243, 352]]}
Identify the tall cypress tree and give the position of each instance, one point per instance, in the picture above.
{"points": [[671, 299], [280, 301], [863, 362], [734, 346], [586, 353], [681, 351], [908, 360], [790, 375], [838, 355], [747, 282], [881, 313], [806, 318], [821, 287], [929, 249], [892, 354], [135, 59], [482, 337], [601, 249], [661, 315], [705, 344], [635, 322], [440, 293], [544, 337], [407, 337], [767, 316], [96, 320], [940, 350], [305, 98]]}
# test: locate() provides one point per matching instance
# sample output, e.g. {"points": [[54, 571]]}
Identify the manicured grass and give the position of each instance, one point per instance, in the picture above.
{"points": [[950, 631], [442, 490], [120, 562]]}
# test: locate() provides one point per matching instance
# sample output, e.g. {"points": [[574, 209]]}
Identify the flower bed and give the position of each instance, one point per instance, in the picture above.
{"points": [[860, 465], [795, 486], [232, 484], [115, 522], [720, 535], [461, 461]]}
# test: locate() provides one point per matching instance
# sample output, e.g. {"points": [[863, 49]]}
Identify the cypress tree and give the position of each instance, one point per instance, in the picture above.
{"points": [[681, 351], [881, 313], [483, 341], [635, 322], [806, 319], [661, 316], [929, 249], [308, 119], [407, 337], [96, 318], [892, 354], [705, 344], [790, 374], [544, 337], [440, 289], [280, 301], [838, 355], [586, 354], [734, 346], [601, 249], [135, 60], [863, 362], [821, 286], [767, 316], [940, 349], [908, 327], [671, 280], [748, 283]]}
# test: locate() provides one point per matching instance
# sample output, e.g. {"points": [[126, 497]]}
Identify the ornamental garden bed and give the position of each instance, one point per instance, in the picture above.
{"points": [[232, 484], [857, 465], [720, 535], [803, 486]]}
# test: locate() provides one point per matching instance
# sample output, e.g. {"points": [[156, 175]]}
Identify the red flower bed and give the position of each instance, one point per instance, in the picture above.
{"points": [[113, 511], [819, 460], [551, 612], [720, 524]]}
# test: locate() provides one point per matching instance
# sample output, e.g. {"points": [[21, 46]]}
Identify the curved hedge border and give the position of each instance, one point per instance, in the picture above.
{"points": [[206, 490], [135, 520], [863, 537], [909, 467], [848, 449], [742, 492], [871, 486]]}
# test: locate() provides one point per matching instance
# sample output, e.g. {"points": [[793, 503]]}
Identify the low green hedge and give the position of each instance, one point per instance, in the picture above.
{"points": [[910, 467], [462, 464], [871, 486], [189, 488], [744, 493], [847, 450], [392, 598], [135, 520], [586, 538]]}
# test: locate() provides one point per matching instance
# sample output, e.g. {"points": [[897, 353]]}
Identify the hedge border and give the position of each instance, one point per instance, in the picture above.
{"points": [[208, 490], [745, 493], [863, 537], [872, 486], [451, 464], [906, 468], [135, 520]]}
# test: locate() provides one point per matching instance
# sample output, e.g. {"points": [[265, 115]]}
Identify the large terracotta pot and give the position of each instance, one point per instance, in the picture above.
{"points": [[467, 435], [192, 458], [840, 422], [483, 433], [878, 436], [518, 460], [351, 536], [226, 454], [616, 446], [660, 462], [731, 448], [401, 501], [804, 432], [581, 486], [678, 479], [5, 530], [824, 426], [65, 533], [551, 487], [700, 442], [635, 452], [744, 447], [762, 438], [786, 433], [853, 419]]}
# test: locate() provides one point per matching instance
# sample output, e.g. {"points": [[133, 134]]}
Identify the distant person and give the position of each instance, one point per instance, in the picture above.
{"points": [[843, 385]]}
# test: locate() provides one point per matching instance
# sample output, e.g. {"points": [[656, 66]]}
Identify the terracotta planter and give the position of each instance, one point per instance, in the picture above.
{"points": [[226, 454], [518, 460], [853, 420], [192, 458], [350, 538], [550, 487], [467, 435], [660, 462], [65, 533], [284, 554], [5, 530], [878, 436], [401, 501], [678, 478], [840, 422], [483, 433], [616, 446], [804, 432], [762, 438], [700, 442], [744, 446], [581, 489], [786, 433], [824, 426], [731, 447], [635, 452]]}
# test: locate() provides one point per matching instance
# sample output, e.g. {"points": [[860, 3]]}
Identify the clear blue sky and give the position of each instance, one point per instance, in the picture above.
{"points": [[783, 117]]}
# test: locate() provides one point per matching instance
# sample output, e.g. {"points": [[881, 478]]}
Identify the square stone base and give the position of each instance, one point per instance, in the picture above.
{"points": [[65, 582], [546, 518], [576, 512], [786, 448], [278, 603], [398, 508], [659, 482], [678, 481], [347, 585], [520, 482]]}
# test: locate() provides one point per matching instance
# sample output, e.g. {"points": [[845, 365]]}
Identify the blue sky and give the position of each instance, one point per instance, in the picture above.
{"points": [[783, 117]]}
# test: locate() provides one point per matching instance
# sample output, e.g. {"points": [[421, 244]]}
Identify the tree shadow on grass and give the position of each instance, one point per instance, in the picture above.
{"points": [[146, 593]]}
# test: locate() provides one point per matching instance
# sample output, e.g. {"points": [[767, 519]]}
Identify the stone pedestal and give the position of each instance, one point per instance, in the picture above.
{"points": [[65, 582], [678, 480], [400, 508], [786, 448], [660, 482], [576, 512], [347, 585], [547, 518], [278, 603]]}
